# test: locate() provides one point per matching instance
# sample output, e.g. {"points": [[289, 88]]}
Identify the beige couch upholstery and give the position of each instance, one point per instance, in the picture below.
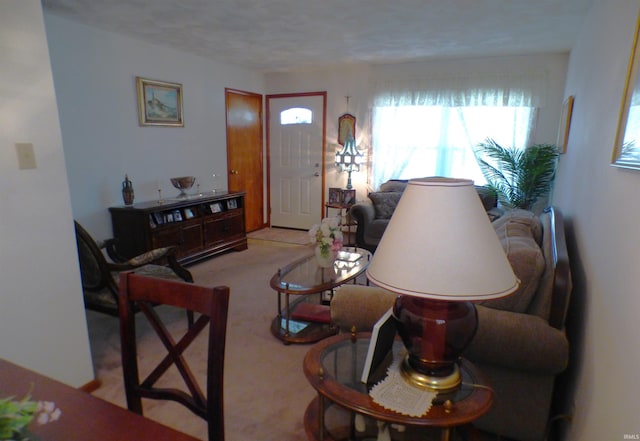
{"points": [[520, 344]]}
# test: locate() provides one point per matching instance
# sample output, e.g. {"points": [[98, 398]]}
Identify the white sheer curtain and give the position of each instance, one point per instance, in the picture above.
{"points": [[429, 126]]}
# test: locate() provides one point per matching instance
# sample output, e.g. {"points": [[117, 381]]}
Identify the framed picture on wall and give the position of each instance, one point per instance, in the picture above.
{"points": [[565, 125], [346, 128], [159, 103]]}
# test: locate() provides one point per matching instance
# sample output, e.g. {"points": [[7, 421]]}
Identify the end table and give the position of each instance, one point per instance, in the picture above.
{"points": [[347, 224], [333, 368]]}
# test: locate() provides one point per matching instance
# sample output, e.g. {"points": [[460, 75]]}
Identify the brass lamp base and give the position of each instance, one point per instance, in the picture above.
{"points": [[434, 383]]}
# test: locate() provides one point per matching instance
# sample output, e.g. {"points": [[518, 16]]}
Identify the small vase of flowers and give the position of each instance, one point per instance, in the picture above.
{"points": [[16, 415], [327, 237]]}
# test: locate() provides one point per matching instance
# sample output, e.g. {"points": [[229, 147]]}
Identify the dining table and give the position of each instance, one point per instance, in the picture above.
{"points": [[83, 417]]}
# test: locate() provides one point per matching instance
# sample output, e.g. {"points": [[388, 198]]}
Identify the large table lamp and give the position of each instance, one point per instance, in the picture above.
{"points": [[440, 253]]}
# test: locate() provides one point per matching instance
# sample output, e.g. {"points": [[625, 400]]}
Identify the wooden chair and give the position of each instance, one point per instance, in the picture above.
{"points": [[100, 277], [141, 292]]}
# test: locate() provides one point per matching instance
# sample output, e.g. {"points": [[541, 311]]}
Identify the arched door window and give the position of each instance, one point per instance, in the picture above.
{"points": [[296, 115]]}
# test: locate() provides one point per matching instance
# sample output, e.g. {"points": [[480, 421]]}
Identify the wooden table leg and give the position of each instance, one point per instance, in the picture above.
{"points": [[321, 417]]}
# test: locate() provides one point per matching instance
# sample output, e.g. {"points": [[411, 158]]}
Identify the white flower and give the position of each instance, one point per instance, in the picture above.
{"points": [[56, 414], [43, 418]]}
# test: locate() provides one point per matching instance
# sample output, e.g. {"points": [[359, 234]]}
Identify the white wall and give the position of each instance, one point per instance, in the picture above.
{"points": [[603, 205], [94, 73], [42, 321], [356, 81]]}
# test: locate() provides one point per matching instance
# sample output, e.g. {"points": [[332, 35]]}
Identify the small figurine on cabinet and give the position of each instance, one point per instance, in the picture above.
{"points": [[127, 191]]}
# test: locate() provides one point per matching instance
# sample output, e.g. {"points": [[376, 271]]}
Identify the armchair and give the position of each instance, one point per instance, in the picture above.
{"points": [[100, 277]]}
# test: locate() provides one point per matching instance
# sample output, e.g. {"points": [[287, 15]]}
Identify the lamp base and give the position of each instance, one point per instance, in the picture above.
{"points": [[435, 332], [444, 383]]}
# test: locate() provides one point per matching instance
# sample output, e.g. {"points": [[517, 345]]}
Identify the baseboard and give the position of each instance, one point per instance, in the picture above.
{"points": [[90, 386]]}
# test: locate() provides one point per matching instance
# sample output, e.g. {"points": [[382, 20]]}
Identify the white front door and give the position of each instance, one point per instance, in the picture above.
{"points": [[296, 148]]}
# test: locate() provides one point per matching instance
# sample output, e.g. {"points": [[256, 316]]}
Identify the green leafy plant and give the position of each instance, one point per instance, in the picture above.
{"points": [[16, 415], [520, 177]]}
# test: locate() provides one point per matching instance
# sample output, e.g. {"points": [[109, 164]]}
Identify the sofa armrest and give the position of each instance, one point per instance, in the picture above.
{"points": [[363, 213], [518, 341], [359, 306]]}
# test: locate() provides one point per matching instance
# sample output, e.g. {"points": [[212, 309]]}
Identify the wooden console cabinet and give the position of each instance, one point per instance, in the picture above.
{"points": [[200, 226]]}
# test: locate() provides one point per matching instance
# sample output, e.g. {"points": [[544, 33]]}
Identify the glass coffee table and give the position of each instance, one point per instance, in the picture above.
{"points": [[343, 409], [306, 319]]}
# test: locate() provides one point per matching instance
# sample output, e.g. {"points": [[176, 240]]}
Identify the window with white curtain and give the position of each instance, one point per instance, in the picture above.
{"points": [[429, 127]]}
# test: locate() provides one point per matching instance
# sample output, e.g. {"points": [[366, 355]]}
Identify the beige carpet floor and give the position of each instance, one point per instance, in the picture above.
{"points": [[266, 392], [286, 235]]}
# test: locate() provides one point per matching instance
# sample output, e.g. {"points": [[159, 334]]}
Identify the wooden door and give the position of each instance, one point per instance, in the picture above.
{"points": [[245, 153], [296, 158]]}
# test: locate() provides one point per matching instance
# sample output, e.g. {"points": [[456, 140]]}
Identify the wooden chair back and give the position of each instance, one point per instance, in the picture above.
{"points": [[141, 292]]}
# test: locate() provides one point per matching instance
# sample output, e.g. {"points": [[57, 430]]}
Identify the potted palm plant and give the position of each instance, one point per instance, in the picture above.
{"points": [[520, 177]]}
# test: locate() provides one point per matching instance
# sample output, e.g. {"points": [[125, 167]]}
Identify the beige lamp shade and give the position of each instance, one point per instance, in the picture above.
{"points": [[440, 244]]}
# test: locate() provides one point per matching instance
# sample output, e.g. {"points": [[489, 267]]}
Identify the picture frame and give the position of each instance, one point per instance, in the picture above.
{"points": [[216, 207], [232, 204], [159, 103], [346, 127], [565, 124], [177, 216], [188, 213], [335, 195], [158, 218], [349, 196], [626, 150]]}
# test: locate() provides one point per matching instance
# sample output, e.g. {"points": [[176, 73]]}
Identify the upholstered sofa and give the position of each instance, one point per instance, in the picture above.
{"points": [[373, 214], [520, 344]]}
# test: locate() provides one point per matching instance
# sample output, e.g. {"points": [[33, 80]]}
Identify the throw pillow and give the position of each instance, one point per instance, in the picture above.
{"points": [[526, 219], [527, 261], [394, 185], [385, 203]]}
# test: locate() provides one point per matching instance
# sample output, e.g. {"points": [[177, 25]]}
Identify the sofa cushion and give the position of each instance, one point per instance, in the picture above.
{"points": [[385, 203], [526, 259], [527, 221]]}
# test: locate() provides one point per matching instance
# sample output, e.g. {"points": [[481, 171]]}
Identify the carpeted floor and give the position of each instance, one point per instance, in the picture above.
{"points": [[266, 392], [283, 235]]}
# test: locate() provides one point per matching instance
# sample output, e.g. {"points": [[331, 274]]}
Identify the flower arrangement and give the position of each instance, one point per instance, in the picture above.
{"points": [[15, 416], [327, 235]]}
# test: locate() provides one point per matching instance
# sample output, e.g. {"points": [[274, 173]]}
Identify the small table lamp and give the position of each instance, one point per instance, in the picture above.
{"points": [[349, 159], [440, 253]]}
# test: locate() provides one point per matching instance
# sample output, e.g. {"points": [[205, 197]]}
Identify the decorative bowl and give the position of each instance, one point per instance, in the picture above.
{"points": [[183, 183]]}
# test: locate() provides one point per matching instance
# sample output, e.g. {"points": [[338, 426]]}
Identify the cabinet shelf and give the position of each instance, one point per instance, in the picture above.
{"points": [[200, 227]]}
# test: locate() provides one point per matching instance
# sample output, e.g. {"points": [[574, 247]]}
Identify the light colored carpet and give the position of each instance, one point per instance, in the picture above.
{"points": [[266, 392], [300, 237]]}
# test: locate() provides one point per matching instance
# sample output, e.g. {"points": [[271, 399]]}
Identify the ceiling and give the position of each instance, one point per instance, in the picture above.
{"points": [[285, 35]]}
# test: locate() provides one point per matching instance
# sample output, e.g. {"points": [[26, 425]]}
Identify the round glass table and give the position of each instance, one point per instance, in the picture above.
{"points": [[308, 281], [343, 409]]}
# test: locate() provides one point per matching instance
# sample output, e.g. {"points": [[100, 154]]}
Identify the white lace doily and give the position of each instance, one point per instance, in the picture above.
{"points": [[394, 393]]}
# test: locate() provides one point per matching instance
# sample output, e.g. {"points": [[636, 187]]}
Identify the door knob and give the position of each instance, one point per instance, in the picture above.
{"points": [[316, 174], [234, 172]]}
